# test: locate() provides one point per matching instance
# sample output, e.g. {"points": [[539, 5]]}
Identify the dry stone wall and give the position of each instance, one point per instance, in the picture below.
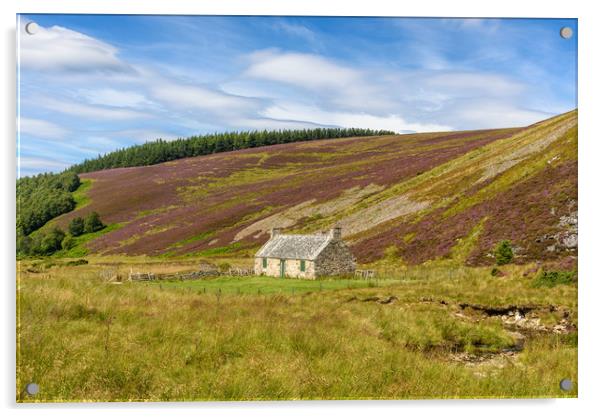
{"points": [[335, 259]]}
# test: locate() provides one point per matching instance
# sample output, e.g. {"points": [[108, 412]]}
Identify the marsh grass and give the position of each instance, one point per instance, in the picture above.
{"points": [[82, 339]]}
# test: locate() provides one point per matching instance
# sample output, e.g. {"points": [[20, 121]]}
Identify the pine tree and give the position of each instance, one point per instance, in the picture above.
{"points": [[504, 253]]}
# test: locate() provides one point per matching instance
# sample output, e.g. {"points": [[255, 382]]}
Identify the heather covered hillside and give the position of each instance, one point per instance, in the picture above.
{"points": [[402, 198]]}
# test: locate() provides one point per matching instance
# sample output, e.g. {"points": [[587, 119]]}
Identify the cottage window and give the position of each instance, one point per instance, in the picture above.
{"points": [[265, 262], [302, 265]]}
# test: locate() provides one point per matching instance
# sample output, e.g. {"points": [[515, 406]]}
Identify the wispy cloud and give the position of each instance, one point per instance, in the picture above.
{"points": [[297, 30], [346, 119], [304, 70], [80, 109], [41, 128], [189, 97], [35, 164], [115, 98]]}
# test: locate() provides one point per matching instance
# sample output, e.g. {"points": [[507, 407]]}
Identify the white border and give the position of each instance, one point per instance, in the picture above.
{"points": [[590, 153]]}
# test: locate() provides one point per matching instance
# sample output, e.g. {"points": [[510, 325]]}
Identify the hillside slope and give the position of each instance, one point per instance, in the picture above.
{"points": [[408, 198]]}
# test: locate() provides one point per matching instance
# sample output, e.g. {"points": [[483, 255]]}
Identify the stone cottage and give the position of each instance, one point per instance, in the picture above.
{"points": [[304, 256]]}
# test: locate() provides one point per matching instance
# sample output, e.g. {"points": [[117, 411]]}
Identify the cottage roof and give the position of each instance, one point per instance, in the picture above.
{"points": [[294, 246]]}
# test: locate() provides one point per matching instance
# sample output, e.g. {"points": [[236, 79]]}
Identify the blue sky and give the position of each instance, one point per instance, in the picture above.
{"points": [[89, 84]]}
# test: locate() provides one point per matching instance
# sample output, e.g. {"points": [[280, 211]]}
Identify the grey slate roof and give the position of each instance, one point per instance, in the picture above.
{"points": [[294, 246]]}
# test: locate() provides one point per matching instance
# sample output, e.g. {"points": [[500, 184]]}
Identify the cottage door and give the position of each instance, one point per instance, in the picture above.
{"points": [[282, 261]]}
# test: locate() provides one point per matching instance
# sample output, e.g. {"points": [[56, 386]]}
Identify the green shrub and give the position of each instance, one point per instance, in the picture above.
{"points": [[77, 262], [68, 242], [504, 253], [551, 279], [76, 226], [24, 244], [92, 223], [51, 242]]}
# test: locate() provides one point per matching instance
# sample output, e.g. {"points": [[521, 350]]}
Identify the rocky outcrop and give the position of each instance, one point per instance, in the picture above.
{"points": [[567, 238]]}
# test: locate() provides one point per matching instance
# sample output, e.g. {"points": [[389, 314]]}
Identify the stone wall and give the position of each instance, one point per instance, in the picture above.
{"points": [[292, 268], [335, 259]]}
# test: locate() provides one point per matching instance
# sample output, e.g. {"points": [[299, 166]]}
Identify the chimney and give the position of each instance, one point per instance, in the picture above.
{"points": [[275, 231], [335, 233]]}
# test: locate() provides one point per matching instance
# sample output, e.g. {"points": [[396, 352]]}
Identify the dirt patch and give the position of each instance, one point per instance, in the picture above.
{"points": [[484, 363], [381, 300], [380, 212]]}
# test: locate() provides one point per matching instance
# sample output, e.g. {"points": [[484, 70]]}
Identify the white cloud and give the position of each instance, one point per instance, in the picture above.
{"points": [[116, 98], [303, 70], [333, 118], [296, 30], [41, 128], [462, 84], [273, 124], [60, 49], [488, 114], [191, 97], [88, 111]]}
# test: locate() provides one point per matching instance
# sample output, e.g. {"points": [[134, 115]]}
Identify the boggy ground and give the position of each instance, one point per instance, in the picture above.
{"points": [[427, 333]]}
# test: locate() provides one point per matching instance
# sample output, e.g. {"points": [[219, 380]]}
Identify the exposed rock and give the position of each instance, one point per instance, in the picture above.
{"points": [[566, 239], [495, 360], [570, 220]]}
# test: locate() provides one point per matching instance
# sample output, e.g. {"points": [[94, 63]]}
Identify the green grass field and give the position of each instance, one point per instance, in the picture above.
{"points": [[83, 339], [269, 285]]}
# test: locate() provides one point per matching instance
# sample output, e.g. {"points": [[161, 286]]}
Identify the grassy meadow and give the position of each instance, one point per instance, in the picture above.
{"points": [[421, 333]]}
